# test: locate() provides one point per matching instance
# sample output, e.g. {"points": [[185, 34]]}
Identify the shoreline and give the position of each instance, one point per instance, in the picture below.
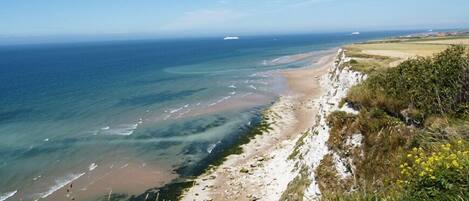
{"points": [[266, 156]]}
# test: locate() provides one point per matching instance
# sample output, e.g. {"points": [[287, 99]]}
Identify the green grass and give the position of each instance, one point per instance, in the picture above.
{"points": [[370, 66], [297, 148], [296, 188]]}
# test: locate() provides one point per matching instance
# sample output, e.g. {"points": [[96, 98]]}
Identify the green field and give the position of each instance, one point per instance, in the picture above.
{"points": [[378, 55]]}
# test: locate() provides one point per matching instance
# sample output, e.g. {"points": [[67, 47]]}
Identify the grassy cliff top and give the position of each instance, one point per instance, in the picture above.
{"points": [[378, 55]]}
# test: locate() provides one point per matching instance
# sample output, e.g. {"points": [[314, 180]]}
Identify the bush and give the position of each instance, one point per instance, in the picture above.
{"points": [[433, 85], [427, 86], [439, 175]]}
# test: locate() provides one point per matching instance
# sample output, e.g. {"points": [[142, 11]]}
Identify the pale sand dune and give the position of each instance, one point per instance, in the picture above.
{"points": [[266, 157]]}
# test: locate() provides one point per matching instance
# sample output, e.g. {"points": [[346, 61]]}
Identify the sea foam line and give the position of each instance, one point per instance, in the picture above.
{"points": [[220, 100], [60, 183], [123, 129], [7, 195]]}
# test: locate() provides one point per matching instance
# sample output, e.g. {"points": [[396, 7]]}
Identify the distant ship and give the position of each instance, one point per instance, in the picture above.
{"points": [[231, 38], [356, 33]]}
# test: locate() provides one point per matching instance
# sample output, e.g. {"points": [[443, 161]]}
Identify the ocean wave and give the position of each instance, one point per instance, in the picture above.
{"points": [[212, 146], [246, 94], [176, 110], [123, 129], [220, 100], [92, 166], [179, 112], [60, 183], [7, 195], [36, 178]]}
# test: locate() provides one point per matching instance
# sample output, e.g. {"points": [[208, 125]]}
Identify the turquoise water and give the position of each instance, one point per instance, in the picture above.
{"points": [[69, 109]]}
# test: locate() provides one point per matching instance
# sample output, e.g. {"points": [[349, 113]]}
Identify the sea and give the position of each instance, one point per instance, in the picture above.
{"points": [[81, 121]]}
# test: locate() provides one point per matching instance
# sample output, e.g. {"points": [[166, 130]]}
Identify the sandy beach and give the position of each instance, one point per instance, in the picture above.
{"points": [[261, 173]]}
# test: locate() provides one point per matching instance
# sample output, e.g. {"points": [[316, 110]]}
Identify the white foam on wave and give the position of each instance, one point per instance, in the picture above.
{"points": [[36, 178], [212, 146], [60, 183], [233, 93], [232, 86], [253, 87], [123, 129], [105, 128], [92, 166], [179, 112], [247, 94], [276, 60], [176, 110], [220, 100], [7, 195]]}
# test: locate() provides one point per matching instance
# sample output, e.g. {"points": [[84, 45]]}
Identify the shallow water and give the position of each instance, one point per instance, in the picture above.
{"points": [[87, 113]]}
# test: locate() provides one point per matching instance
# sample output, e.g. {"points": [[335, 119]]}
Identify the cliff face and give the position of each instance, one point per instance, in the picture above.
{"points": [[311, 148]]}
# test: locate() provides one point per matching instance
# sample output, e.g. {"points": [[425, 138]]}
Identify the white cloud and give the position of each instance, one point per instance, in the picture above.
{"points": [[300, 3], [201, 19]]}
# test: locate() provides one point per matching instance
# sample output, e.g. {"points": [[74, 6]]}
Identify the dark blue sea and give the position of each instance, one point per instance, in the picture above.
{"points": [[122, 116]]}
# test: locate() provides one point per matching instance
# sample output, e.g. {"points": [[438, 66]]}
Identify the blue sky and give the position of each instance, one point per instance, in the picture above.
{"points": [[167, 18]]}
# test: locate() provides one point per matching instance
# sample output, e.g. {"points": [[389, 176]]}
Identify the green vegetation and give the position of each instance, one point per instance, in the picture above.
{"points": [[369, 66], [426, 86], [296, 188], [299, 143], [439, 175], [416, 108]]}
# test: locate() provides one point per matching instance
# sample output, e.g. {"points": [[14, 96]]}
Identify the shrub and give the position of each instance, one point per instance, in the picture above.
{"points": [[423, 86], [433, 85], [439, 175]]}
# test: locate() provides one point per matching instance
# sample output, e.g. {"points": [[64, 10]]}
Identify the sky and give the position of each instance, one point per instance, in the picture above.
{"points": [[184, 18]]}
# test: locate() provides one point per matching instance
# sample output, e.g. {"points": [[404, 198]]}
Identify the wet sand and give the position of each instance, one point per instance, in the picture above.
{"points": [[128, 178], [262, 172]]}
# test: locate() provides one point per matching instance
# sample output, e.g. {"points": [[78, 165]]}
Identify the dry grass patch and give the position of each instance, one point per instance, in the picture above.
{"points": [[328, 180]]}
